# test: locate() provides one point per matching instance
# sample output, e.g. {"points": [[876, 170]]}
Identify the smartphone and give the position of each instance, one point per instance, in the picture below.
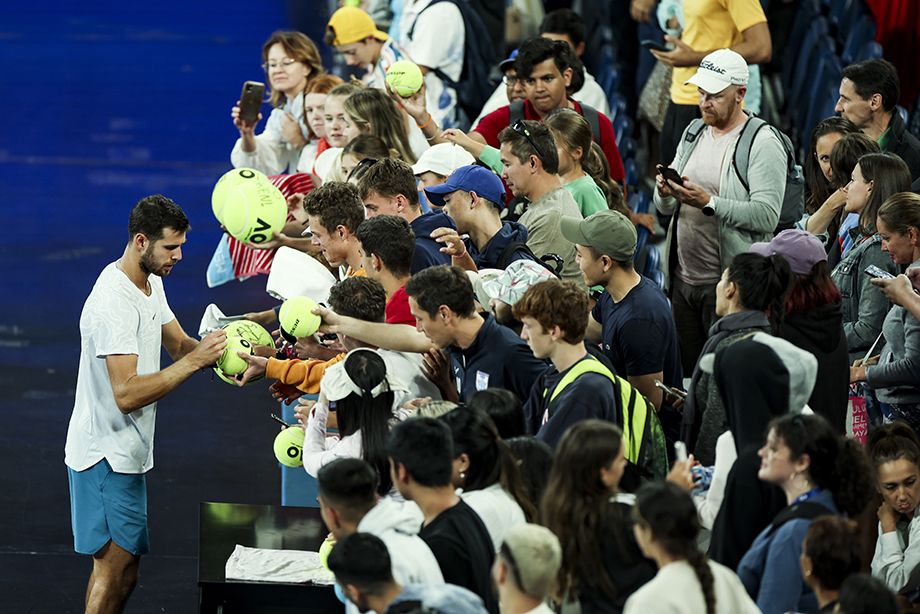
{"points": [[874, 271], [671, 392], [280, 421], [653, 44], [670, 174], [251, 101], [680, 451]]}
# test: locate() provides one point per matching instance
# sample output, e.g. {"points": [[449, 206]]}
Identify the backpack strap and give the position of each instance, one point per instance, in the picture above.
{"points": [[551, 262], [515, 112], [694, 130], [742, 156], [412, 27], [591, 116], [806, 510]]}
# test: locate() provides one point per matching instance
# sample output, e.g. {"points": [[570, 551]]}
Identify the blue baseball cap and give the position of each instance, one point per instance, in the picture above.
{"points": [[470, 178], [508, 62]]}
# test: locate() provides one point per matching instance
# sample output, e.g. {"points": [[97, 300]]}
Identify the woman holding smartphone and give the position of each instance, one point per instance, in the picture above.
{"points": [[896, 377], [291, 61]]}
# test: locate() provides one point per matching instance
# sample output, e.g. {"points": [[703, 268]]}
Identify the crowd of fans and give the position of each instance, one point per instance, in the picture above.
{"points": [[506, 404]]}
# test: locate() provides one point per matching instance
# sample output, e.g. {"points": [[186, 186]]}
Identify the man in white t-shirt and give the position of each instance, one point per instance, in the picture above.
{"points": [[125, 321], [437, 40], [716, 216]]}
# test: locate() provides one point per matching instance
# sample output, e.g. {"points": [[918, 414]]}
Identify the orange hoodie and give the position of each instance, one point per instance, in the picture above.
{"points": [[304, 374]]}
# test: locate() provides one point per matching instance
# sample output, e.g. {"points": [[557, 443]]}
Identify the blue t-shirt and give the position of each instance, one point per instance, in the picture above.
{"points": [[427, 250], [639, 336]]}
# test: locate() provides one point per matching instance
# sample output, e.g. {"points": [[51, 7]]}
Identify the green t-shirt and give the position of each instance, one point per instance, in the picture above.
{"points": [[588, 195]]}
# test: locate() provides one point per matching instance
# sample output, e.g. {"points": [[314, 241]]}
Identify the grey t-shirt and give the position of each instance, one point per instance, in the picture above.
{"points": [[544, 233], [698, 261]]}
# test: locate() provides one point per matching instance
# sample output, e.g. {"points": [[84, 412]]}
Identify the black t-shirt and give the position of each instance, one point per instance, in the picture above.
{"points": [[461, 544]]}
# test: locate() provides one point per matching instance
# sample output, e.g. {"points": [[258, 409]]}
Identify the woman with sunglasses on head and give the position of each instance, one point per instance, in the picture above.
{"points": [[666, 529], [601, 562], [291, 61], [820, 473], [875, 177], [365, 149], [895, 454], [896, 377]]}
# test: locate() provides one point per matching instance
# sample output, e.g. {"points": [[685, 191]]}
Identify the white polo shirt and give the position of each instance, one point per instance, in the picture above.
{"points": [[117, 318]]}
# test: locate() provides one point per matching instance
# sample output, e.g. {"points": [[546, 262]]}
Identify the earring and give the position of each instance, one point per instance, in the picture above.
{"points": [[462, 475]]}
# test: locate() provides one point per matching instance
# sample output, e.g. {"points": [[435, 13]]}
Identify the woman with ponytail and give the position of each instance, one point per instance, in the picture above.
{"points": [[895, 454], [749, 298], [487, 471], [820, 473], [362, 395], [666, 528], [579, 168], [601, 563]]}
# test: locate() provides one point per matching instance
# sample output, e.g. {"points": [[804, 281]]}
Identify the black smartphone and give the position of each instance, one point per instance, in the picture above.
{"points": [[251, 101], [652, 44], [670, 174]]}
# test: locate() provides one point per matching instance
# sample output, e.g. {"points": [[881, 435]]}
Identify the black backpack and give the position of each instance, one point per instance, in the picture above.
{"points": [[474, 86], [513, 246], [794, 196], [516, 113]]}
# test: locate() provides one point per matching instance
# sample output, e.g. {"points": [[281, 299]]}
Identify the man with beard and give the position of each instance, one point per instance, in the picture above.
{"points": [[109, 445], [716, 215]]}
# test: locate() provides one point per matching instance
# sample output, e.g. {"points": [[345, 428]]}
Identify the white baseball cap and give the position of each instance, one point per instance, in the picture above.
{"points": [[443, 159], [720, 69]]}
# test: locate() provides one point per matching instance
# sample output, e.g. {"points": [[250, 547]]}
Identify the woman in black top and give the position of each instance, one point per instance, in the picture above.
{"points": [[601, 562]]}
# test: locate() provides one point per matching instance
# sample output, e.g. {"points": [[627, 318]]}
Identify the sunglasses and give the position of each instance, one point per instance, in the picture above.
{"points": [[360, 168], [521, 128]]}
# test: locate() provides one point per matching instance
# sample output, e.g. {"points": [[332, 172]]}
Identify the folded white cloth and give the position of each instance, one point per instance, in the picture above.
{"points": [[213, 318], [289, 566]]}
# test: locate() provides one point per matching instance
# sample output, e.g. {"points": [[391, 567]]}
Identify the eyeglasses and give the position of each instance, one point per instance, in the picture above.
{"points": [[521, 128], [509, 80], [285, 64]]}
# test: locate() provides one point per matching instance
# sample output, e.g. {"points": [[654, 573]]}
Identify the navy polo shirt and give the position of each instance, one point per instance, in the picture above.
{"points": [[639, 336], [427, 250], [497, 358], [490, 255]]}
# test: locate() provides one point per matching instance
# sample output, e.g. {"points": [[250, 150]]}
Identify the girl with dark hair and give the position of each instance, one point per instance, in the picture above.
{"points": [[505, 409], [813, 320], [875, 178], [830, 553], [487, 472], [749, 298], [896, 377], [819, 177], [534, 458], [601, 563], [363, 147], [666, 528], [820, 473], [895, 453], [361, 394], [291, 60]]}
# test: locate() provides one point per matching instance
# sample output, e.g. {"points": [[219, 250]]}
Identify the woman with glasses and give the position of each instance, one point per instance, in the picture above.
{"points": [[601, 563], [666, 529], [290, 61], [874, 178], [820, 473]]}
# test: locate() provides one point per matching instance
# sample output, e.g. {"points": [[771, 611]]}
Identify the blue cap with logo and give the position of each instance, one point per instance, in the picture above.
{"points": [[471, 178]]}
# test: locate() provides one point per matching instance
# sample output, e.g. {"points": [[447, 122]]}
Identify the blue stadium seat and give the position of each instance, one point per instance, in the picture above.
{"points": [[804, 63], [627, 147], [870, 51], [632, 173], [617, 106], [809, 82], [652, 261], [862, 33], [806, 13], [639, 201], [610, 81], [642, 235], [606, 60], [622, 127], [658, 279], [824, 92]]}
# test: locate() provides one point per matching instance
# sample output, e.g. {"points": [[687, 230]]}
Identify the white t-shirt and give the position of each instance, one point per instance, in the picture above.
{"points": [[676, 590], [497, 509], [117, 318], [437, 42]]}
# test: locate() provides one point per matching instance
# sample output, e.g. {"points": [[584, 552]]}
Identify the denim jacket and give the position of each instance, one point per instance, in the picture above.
{"points": [[864, 306]]}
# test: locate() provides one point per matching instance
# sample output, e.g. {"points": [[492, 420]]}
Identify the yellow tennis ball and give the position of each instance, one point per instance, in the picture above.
{"points": [[248, 206], [324, 550], [288, 447], [404, 78], [297, 318], [229, 362], [250, 331]]}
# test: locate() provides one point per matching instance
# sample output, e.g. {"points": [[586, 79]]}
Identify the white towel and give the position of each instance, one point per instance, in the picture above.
{"points": [[289, 566]]}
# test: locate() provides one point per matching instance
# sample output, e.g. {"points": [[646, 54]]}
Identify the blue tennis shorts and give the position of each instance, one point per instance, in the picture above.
{"points": [[105, 505]]}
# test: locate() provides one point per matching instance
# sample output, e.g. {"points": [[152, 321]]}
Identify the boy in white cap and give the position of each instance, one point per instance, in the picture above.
{"points": [[717, 215]]}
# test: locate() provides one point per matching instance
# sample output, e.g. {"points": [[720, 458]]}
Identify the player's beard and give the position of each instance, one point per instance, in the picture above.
{"points": [[150, 266]]}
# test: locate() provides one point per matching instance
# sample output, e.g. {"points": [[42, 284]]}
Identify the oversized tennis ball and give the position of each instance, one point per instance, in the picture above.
{"points": [[297, 318], [250, 331], [324, 550], [229, 362], [248, 206], [404, 78], [288, 447]]}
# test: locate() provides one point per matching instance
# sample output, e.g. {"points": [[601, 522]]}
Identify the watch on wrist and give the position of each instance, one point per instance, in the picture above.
{"points": [[708, 209]]}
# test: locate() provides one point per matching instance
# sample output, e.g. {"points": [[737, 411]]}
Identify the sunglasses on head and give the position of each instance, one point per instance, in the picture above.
{"points": [[521, 128]]}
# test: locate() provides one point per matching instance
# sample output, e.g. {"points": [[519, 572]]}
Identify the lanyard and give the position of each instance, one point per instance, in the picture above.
{"points": [[808, 495]]}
